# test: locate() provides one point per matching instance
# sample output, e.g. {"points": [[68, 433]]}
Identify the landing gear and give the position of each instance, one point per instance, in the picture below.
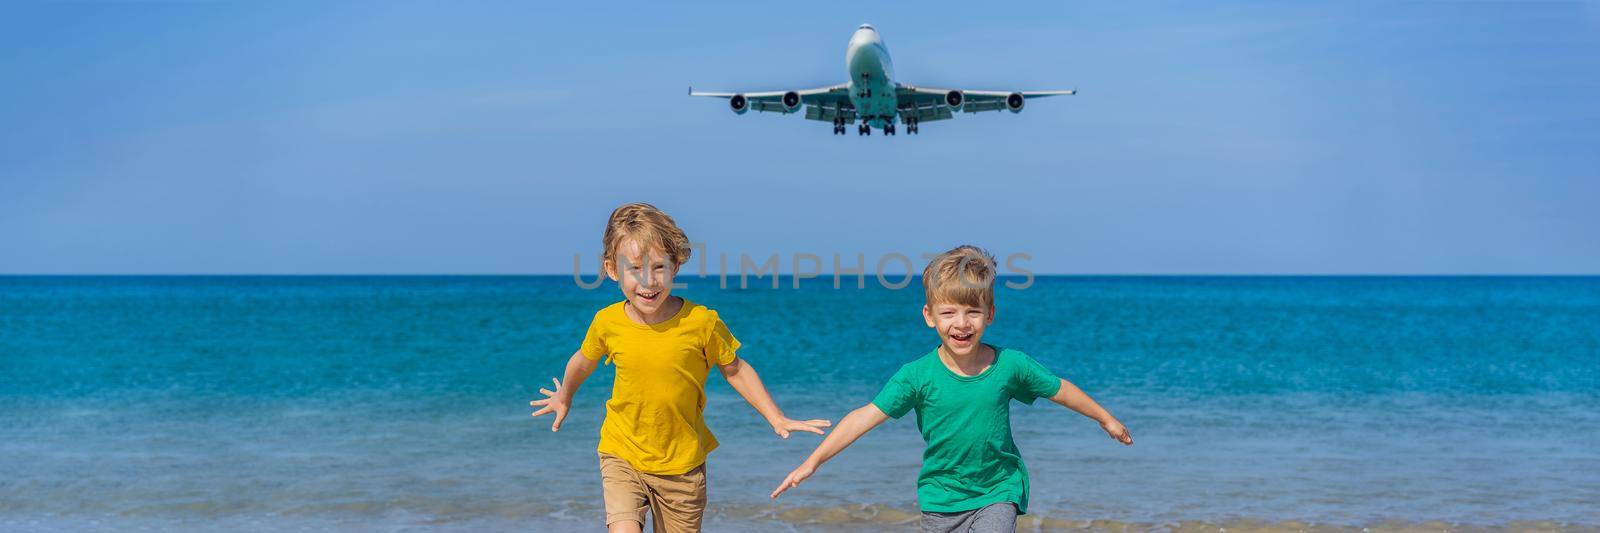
{"points": [[864, 129], [912, 127], [888, 129], [838, 126]]}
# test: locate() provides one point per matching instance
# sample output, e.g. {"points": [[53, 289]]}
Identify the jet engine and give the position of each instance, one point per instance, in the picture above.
{"points": [[1014, 102], [739, 103], [954, 99], [791, 101]]}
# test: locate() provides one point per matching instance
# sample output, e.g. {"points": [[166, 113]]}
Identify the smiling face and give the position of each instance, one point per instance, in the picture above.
{"points": [[645, 275], [959, 287], [960, 326]]}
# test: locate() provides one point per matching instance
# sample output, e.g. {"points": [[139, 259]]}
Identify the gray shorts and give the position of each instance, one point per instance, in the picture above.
{"points": [[992, 518]]}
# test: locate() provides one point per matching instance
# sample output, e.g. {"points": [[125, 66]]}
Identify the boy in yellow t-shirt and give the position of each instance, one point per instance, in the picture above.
{"points": [[654, 440]]}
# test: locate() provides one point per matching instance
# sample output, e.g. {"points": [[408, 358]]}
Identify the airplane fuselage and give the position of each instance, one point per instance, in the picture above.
{"points": [[871, 78]]}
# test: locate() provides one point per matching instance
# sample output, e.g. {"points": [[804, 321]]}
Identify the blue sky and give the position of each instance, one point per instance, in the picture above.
{"points": [[1396, 137]]}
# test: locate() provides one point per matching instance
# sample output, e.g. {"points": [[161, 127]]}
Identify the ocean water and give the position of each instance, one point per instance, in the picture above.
{"points": [[401, 403]]}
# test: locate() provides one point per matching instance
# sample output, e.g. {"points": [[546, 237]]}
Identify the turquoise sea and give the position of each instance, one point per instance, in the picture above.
{"points": [[401, 403]]}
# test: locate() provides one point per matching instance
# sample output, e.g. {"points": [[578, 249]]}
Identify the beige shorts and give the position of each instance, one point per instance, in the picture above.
{"points": [[677, 502]]}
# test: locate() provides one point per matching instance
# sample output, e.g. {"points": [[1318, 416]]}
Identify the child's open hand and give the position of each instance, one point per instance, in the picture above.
{"points": [[1117, 431], [787, 425], [553, 404], [799, 474]]}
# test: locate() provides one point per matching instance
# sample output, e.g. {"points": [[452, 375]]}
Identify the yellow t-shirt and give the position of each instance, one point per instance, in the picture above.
{"points": [[654, 418]]}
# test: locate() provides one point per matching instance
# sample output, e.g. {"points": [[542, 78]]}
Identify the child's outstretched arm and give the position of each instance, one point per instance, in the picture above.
{"points": [[744, 379], [578, 369], [854, 425], [1071, 397]]}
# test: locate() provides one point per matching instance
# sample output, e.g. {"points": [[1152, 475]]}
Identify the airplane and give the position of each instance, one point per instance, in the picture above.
{"points": [[874, 98]]}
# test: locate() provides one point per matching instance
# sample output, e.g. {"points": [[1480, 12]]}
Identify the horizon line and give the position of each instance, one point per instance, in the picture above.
{"points": [[819, 276]]}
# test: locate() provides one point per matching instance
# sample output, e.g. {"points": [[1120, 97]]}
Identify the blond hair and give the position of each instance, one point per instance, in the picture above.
{"points": [[964, 275], [648, 226]]}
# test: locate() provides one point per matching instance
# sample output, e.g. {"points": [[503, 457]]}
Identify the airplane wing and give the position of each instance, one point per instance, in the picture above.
{"points": [[822, 103], [928, 103]]}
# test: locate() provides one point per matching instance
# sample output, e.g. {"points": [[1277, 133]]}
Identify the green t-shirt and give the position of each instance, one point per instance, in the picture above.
{"points": [[970, 460]]}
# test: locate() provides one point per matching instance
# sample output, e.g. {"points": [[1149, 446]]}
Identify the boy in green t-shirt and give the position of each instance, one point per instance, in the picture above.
{"points": [[972, 475]]}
